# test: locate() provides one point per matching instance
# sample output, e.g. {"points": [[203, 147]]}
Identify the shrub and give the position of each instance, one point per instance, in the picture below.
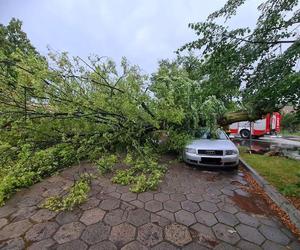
{"points": [[291, 122]]}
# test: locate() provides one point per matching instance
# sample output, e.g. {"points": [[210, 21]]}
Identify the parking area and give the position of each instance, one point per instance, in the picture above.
{"points": [[192, 209]]}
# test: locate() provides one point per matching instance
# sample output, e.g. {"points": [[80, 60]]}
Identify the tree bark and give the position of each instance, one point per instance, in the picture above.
{"points": [[238, 116]]}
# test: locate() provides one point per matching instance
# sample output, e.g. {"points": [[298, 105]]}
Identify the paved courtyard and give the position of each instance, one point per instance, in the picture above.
{"points": [[192, 209]]}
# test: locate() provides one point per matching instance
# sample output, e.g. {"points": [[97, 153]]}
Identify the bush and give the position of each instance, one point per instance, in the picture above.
{"points": [[291, 122]]}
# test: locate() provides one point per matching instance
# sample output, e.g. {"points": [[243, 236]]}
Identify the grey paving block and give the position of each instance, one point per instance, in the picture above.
{"points": [[274, 234], [226, 233], [206, 218], [250, 234]]}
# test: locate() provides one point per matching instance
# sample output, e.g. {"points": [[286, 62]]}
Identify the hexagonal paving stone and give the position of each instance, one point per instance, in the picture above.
{"points": [[194, 197], [177, 197], [135, 245], [109, 189], [6, 210], [14, 230], [14, 244], [122, 189], [153, 206], [73, 245], [41, 231], [177, 234], [42, 245], [43, 215], [161, 197], [127, 206], [166, 214], [274, 234], [195, 246], [247, 219], [138, 217], [226, 218], [110, 204], [150, 234], [146, 196], [224, 246], [122, 234], [66, 217], [92, 216], [23, 213], [208, 206], [159, 220], [164, 246], [115, 195], [245, 245], [95, 233], [250, 234], [138, 203], [172, 206], [90, 203], [227, 208], [206, 218], [128, 196], [270, 245], [269, 221], [30, 201], [205, 235], [185, 217], [211, 198], [115, 217], [104, 245], [3, 222], [69, 232], [190, 206], [226, 233]]}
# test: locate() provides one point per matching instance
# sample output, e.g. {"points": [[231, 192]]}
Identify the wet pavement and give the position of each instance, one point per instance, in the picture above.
{"points": [[192, 209]]}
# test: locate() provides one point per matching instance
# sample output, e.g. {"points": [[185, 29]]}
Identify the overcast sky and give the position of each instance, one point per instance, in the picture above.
{"points": [[142, 30]]}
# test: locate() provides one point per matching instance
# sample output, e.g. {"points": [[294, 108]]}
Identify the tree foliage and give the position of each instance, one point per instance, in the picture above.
{"points": [[257, 64]]}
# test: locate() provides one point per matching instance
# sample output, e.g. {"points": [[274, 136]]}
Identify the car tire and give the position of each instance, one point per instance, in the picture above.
{"points": [[245, 133]]}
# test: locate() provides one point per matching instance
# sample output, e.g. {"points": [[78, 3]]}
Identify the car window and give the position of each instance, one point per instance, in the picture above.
{"points": [[205, 134]]}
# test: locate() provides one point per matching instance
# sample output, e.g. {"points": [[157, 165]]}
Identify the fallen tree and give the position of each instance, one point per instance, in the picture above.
{"points": [[59, 109]]}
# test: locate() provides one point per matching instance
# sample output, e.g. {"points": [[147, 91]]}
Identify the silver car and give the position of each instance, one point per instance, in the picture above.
{"points": [[217, 152]]}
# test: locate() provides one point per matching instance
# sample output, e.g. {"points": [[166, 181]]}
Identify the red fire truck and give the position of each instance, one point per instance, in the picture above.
{"points": [[270, 124]]}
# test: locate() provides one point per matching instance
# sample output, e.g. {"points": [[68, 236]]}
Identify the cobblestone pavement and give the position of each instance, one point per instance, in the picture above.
{"points": [[192, 209]]}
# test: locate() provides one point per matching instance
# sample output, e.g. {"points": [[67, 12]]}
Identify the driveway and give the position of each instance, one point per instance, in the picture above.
{"points": [[192, 209]]}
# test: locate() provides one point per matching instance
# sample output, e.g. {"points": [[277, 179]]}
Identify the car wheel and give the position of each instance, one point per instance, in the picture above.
{"points": [[245, 133]]}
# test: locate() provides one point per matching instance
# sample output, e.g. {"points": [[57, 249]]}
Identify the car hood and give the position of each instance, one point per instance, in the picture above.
{"points": [[212, 144]]}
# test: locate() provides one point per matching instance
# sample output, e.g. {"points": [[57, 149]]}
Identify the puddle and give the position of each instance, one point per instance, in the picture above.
{"points": [[253, 204]]}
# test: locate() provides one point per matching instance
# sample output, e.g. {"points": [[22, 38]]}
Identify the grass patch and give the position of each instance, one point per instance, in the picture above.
{"points": [[281, 172], [288, 133]]}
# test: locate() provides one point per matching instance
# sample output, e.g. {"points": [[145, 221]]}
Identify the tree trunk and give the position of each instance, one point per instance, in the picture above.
{"points": [[238, 116]]}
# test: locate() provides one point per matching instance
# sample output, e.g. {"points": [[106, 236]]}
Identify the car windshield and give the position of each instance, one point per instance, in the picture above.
{"points": [[205, 134]]}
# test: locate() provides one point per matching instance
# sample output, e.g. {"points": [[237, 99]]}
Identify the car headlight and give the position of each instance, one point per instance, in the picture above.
{"points": [[231, 152], [191, 150]]}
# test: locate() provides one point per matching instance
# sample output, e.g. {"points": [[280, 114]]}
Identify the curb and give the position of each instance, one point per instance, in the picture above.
{"points": [[275, 196]]}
